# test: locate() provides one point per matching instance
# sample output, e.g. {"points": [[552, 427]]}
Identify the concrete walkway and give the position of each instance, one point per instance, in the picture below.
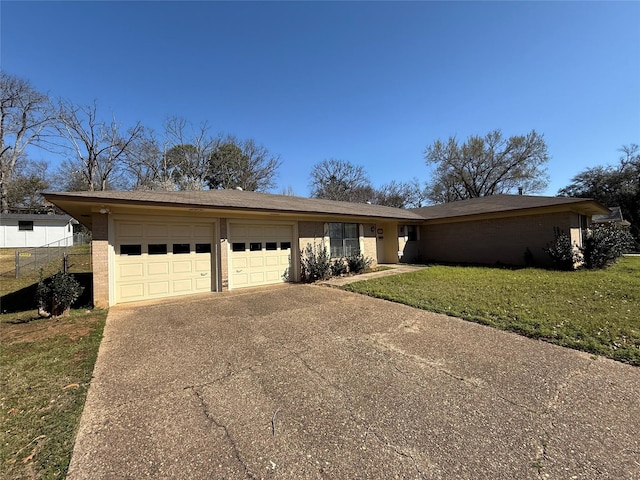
{"points": [[393, 269], [308, 382]]}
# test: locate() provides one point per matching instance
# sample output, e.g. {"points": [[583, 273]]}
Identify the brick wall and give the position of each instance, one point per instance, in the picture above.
{"points": [[100, 259], [493, 241]]}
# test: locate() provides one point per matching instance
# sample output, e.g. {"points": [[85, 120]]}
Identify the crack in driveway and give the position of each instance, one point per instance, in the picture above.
{"points": [[236, 451]]}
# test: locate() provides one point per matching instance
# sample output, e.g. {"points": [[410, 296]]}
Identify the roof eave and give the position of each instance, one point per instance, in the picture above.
{"points": [[74, 206], [592, 208]]}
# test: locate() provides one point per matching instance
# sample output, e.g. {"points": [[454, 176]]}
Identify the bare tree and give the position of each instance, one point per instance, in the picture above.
{"points": [[69, 177], [288, 191], [340, 180], [98, 146], [486, 166], [401, 194], [146, 166], [187, 153], [242, 164], [25, 115]]}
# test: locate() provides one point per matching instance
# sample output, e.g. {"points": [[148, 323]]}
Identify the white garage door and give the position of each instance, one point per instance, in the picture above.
{"points": [[260, 254], [157, 260]]}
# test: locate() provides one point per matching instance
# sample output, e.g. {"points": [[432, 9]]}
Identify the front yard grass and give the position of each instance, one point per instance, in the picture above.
{"points": [[46, 367], [597, 311]]}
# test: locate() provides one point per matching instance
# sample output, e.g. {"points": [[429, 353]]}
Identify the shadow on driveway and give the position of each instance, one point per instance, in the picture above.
{"points": [[306, 381]]}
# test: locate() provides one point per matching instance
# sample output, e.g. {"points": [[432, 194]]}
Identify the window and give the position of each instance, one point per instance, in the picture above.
{"points": [[203, 248], [255, 247], [130, 249], [157, 248], [25, 225], [181, 248], [285, 245], [343, 239], [238, 247], [412, 233], [271, 245]]}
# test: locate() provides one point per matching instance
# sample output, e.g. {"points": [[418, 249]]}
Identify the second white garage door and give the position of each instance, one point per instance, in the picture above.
{"points": [[259, 254]]}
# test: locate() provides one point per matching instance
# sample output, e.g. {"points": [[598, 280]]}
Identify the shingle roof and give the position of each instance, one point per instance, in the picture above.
{"points": [[235, 199], [504, 203]]}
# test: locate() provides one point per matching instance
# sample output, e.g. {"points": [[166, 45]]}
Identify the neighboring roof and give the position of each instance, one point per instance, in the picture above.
{"points": [[614, 217], [506, 203], [229, 200], [36, 216]]}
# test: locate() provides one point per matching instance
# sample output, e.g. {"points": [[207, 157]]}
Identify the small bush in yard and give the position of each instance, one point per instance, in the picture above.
{"points": [[358, 263], [339, 267], [56, 294], [564, 254], [316, 263], [604, 244]]}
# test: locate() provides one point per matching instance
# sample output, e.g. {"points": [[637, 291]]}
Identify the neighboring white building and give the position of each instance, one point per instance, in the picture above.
{"points": [[20, 230]]}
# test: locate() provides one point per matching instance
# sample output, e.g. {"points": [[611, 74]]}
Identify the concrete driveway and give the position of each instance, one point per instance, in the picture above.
{"points": [[306, 381]]}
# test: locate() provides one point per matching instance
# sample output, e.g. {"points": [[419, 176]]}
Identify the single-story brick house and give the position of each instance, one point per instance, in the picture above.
{"points": [[151, 244], [30, 230]]}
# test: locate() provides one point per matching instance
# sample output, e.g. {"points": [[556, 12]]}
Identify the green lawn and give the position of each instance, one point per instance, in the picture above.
{"points": [[594, 311], [46, 369]]}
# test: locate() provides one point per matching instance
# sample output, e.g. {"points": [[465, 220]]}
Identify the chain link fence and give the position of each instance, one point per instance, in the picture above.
{"points": [[51, 257]]}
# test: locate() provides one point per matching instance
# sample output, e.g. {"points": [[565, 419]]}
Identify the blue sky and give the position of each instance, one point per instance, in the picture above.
{"points": [[373, 83]]}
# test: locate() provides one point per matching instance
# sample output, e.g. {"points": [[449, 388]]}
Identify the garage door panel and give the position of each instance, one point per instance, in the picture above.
{"points": [[201, 231], [182, 267], [132, 270], [240, 231], [271, 261], [256, 277], [158, 268], [270, 232], [181, 286], [129, 230], [241, 262], [156, 230], [240, 279], [284, 232], [256, 231], [158, 288], [274, 276], [255, 261], [179, 231], [132, 290], [203, 265]]}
